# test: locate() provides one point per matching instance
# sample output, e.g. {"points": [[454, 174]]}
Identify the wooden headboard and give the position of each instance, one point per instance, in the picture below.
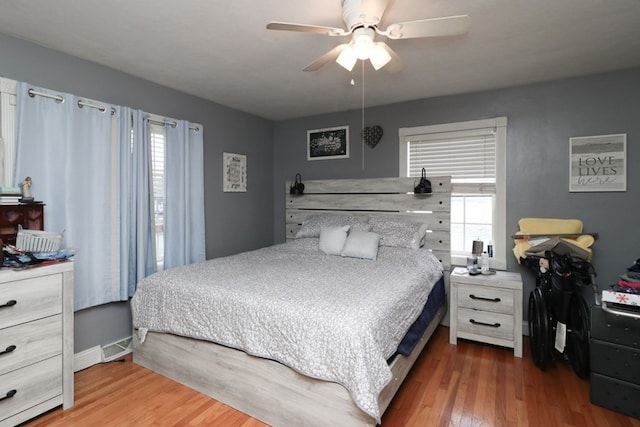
{"points": [[377, 196]]}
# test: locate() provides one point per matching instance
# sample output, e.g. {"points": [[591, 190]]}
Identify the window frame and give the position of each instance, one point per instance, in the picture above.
{"points": [[499, 124]]}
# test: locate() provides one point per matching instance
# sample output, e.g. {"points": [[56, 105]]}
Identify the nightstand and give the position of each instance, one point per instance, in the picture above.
{"points": [[486, 308]]}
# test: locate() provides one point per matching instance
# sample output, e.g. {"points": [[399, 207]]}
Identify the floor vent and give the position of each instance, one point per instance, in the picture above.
{"points": [[116, 349]]}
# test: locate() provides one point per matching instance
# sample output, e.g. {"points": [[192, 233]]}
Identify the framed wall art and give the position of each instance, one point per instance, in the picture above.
{"points": [[329, 143], [598, 163], [234, 173]]}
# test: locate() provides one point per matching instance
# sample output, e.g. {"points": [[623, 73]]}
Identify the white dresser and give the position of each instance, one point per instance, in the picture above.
{"points": [[36, 341], [486, 308]]}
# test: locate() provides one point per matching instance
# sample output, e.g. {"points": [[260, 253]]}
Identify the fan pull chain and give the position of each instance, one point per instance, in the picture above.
{"points": [[362, 129]]}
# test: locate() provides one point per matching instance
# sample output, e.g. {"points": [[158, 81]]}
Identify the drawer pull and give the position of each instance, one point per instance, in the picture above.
{"points": [[9, 303], [493, 325], [472, 296], [8, 350], [9, 395]]}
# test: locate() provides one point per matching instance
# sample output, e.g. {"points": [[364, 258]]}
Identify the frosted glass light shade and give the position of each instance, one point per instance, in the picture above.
{"points": [[379, 56], [347, 58]]}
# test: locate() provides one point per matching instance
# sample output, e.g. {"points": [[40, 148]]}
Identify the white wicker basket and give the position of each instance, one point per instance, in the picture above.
{"points": [[38, 241]]}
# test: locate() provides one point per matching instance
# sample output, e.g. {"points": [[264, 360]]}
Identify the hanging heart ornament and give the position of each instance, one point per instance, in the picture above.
{"points": [[372, 135]]}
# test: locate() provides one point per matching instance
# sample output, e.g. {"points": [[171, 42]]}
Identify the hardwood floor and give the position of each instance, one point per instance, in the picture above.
{"points": [[469, 384]]}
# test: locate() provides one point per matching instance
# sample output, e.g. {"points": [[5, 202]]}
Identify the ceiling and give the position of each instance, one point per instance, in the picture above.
{"points": [[221, 50]]}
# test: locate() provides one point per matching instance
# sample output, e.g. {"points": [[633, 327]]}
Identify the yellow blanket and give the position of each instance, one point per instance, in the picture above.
{"points": [[551, 226]]}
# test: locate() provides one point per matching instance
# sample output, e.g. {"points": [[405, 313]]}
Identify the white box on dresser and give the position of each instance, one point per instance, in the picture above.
{"points": [[36, 341], [486, 308]]}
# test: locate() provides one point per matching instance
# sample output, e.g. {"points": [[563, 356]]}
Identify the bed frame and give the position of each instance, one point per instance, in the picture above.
{"points": [[268, 390]]}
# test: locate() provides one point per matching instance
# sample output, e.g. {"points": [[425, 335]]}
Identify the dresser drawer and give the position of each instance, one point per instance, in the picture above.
{"points": [[32, 342], [33, 385], [30, 299], [615, 361], [487, 324], [486, 298], [620, 330], [617, 395]]}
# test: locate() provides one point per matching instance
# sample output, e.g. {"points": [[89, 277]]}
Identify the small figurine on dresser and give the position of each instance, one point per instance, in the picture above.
{"points": [[27, 197]]}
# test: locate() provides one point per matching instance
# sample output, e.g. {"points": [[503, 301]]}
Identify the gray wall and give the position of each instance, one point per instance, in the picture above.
{"points": [[235, 222], [541, 119]]}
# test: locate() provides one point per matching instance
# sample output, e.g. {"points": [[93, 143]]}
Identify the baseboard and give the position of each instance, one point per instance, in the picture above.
{"points": [[525, 328], [87, 358]]}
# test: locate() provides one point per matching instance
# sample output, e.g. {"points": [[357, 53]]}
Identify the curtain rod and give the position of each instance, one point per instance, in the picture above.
{"points": [[59, 99], [102, 108], [172, 123]]}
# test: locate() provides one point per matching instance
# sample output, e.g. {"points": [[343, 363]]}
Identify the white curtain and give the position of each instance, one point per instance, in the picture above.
{"points": [[184, 240], [67, 151], [137, 241]]}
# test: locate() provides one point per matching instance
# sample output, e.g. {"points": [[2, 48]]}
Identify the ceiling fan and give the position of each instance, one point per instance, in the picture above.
{"points": [[362, 18]]}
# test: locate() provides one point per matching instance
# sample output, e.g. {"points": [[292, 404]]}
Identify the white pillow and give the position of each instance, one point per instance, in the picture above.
{"points": [[332, 239], [361, 244]]}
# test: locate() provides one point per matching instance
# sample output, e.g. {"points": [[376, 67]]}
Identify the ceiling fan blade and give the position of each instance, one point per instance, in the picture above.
{"points": [[371, 11], [395, 65], [332, 55], [435, 27], [304, 28]]}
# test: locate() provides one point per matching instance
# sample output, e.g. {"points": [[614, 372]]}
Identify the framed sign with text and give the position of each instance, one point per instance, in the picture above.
{"points": [[598, 163], [329, 143], [234, 173]]}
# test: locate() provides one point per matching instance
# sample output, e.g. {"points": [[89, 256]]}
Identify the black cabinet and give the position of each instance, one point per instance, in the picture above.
{"points": [[29, 216], [615, 362]]}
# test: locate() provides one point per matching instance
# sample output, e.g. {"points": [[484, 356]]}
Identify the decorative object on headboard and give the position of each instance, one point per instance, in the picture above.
{"points": [[297, 187], [372, 135], [424, 186]]}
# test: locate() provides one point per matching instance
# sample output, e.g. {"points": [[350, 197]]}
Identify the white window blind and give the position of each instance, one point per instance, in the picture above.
{"points": [[466, 158], [157, 142]]}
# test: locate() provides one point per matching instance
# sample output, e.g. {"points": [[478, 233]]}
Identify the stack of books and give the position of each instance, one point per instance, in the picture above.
{"points": [[10, 195]]}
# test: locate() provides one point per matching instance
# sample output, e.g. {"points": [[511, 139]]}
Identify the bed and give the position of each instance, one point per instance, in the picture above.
{"points": [[301, 374]]}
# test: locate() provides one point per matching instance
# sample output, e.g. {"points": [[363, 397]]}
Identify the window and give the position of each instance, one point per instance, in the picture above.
{"points": [[474, 155], [157, 140]]}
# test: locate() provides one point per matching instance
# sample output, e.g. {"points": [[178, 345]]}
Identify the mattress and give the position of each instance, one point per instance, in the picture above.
{"points": [[328, 317]]}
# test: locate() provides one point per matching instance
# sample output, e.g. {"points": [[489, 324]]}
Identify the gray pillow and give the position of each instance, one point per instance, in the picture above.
{"points": [[399, 233], [312, 225], [332, 239], [361, 244]]}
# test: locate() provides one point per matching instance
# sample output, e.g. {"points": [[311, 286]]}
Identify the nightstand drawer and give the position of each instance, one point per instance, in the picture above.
{"points": [[486, 324], [31, 342], [30, 386], [30, 299], [485, 298]]}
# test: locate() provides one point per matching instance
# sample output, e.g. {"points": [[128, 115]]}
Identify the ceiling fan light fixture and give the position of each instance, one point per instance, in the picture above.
{"points": [[363, 42], [362, 46], [347, 58], [379, 56]]}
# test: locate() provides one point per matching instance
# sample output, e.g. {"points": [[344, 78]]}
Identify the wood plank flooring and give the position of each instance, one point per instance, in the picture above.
{"points": [[469, 384]]}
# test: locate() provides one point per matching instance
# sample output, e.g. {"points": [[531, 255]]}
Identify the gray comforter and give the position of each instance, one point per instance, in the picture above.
{"points": [[328, 317]]}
